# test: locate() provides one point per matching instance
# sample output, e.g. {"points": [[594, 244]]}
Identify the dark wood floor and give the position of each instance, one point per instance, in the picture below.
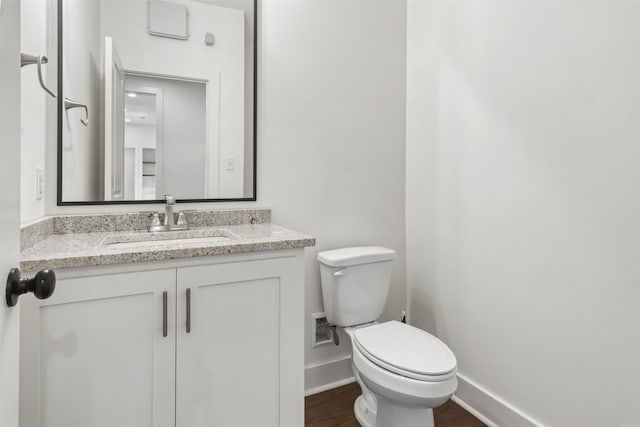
{"points": [[334, 408]]}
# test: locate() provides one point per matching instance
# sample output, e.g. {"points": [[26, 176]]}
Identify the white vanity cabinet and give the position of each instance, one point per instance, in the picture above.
{"points": [[96, 354]]}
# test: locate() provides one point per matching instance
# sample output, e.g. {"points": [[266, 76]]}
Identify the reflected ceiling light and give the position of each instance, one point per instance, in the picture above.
{"points": [[127, 120], [132, 94]]}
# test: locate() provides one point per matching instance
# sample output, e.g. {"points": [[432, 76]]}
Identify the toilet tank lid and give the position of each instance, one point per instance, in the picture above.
{"points": [[358, 255]]}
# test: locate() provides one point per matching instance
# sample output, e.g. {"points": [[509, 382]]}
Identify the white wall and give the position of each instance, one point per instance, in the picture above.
{"points": [[523, 201], [139, 136], [81, 83], [33, 41], [247, 7], [331, 131]]}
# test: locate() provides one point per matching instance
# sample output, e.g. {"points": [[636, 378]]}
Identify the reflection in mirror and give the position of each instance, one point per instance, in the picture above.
{"points": [[163, 141], [170, 100]]}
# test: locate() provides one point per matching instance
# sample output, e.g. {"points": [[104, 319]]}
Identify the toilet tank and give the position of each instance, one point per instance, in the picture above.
{"points": [[355, 283]]}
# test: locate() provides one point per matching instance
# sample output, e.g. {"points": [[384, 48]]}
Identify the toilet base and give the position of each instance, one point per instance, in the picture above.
{"points": [[391, 414], [365, 416]]}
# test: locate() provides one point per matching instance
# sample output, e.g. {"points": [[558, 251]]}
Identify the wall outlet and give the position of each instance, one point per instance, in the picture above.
{"points": [[320, 333], [39, 183]]}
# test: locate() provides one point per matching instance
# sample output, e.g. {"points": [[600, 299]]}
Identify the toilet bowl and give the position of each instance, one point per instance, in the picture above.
{"points": [[403, 371], [408, 371]]}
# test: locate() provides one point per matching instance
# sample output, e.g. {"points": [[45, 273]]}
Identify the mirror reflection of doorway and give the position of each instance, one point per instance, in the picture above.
{"points": [[165, 137], [142, 141]]}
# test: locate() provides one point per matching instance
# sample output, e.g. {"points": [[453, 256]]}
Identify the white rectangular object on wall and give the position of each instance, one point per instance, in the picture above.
{"points": [[167, 19]]}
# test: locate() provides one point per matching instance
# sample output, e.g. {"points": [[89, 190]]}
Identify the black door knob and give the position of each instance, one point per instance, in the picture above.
{"points": [[42, 285]]}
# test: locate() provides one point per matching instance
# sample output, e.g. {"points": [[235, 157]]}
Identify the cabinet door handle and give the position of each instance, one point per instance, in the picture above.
{"points": [[188, 310], [165, 297]]}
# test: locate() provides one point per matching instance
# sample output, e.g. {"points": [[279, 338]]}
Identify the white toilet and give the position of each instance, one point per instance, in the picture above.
{"points": [[404, 372]]}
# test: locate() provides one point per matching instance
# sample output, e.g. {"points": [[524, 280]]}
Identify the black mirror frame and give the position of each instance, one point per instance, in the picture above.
{"points": [[60, 110]]}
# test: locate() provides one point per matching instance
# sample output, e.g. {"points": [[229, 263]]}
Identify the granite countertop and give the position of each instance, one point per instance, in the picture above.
{"points": [[72, 250]]}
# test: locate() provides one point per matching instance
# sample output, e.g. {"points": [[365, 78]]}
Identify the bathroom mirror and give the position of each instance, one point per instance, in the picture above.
{"points": [[156, 97]]}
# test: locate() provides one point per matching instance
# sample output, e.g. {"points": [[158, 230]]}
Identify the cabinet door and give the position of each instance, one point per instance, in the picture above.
{"points": [[94, 354], [241, 361]]}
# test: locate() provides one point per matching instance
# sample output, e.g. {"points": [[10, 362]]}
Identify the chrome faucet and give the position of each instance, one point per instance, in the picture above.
{"points": [[170, 223], [169, 220]]}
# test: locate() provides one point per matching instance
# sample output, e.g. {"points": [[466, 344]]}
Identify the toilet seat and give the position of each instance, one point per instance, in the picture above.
{"points": [[405, 390], [406, 350]]}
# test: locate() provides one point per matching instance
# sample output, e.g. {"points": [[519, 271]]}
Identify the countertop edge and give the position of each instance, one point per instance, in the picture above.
{"points": [[163, 254]]}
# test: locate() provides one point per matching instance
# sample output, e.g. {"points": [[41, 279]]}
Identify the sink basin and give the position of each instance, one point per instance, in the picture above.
{"points": [[138, 240]]}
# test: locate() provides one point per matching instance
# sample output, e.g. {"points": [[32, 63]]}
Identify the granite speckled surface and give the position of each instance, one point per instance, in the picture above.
{"points": [[141, 220], [33, 233], [74, 250], [88, 240]]}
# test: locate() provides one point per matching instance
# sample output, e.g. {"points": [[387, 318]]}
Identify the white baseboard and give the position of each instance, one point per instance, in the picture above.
{"points": [[327, 375], [489, 408]]}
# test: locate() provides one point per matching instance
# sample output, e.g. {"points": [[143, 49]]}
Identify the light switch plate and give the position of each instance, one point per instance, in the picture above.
{"points": [[230, 163]]}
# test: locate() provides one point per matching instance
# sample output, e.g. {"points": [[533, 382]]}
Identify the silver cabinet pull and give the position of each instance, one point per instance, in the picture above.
{"points": [[165, 297], [188, 310]]}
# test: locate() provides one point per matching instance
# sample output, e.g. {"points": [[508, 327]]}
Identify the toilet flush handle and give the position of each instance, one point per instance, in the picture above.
{"points": [[340, 272]]}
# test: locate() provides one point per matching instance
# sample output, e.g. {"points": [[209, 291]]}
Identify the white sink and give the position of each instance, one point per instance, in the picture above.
{"points": [[138, 240]]}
